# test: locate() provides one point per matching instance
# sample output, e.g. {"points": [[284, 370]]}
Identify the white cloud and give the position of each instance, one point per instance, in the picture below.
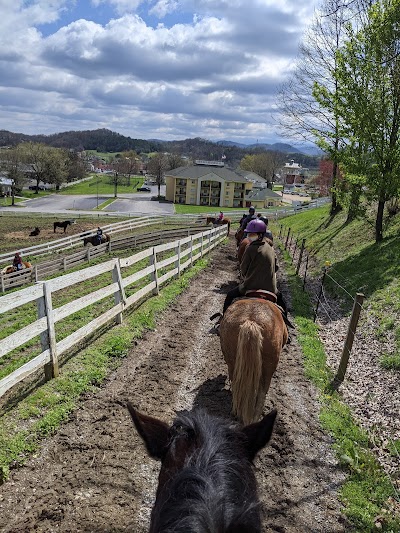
{"points": [[213, 73]]}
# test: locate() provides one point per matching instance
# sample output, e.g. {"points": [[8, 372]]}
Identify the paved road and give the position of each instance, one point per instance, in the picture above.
{"points": [[128, 204]]}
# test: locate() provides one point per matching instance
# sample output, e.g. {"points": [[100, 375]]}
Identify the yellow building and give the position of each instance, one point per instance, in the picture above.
{"points": [[207, 183]]}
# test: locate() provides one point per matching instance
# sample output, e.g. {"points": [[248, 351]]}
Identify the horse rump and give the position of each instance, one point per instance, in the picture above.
{"points": [[206, 474], [252, 334]]}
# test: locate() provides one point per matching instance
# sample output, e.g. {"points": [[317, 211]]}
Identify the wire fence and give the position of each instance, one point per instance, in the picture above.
{"points": [[325, 308]]}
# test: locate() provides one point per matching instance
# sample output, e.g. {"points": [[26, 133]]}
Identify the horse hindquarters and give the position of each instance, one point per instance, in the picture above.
{"points": [[247, 374]]}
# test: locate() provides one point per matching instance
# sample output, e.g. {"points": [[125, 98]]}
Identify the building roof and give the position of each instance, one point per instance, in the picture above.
{"points": [[262, 194], [251, 176], [195, 172]]}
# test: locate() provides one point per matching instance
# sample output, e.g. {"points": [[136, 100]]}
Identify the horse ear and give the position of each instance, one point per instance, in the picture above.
{"points": [[153, 432], [259, 434]]}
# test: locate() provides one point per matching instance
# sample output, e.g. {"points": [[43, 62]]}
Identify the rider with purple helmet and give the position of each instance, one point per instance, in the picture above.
{"points": [[258, 265]]}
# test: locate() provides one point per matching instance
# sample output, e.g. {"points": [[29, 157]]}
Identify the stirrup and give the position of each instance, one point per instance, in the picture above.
{"points": [[215, 315]]}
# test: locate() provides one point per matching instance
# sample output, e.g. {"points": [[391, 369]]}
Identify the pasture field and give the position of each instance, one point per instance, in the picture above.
{"points": [[104, 184], [15, 229]]}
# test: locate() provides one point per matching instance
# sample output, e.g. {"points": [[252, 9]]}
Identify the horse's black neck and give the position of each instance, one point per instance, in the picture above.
{"points": [[216, 490]]}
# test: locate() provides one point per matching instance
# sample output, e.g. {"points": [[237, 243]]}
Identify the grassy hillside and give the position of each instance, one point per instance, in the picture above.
{"points": [[363, 265], [369, 494]]}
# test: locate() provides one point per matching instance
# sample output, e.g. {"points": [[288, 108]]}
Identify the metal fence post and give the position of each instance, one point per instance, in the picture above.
{"points": [[344, 360]]}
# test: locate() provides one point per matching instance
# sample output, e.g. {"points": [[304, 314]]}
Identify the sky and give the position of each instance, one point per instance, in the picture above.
{"points": [[149, 69]]}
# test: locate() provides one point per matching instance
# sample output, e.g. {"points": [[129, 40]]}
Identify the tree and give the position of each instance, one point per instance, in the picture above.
{"points": [[265, 164], [76, 166], [174, 161], [304, 117], [47, 164], [368, 104], [156, 167], [11, 161]]}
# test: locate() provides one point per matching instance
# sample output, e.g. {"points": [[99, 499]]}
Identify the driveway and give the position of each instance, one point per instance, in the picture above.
{"points": [[127, 203]]}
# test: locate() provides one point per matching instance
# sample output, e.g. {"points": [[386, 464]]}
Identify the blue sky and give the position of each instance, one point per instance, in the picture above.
{"points": [[165, 69]]}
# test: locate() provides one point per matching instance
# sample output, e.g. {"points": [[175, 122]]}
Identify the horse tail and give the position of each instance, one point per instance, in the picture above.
{"points": [[229, 226], [54, 226], [248, 371]]}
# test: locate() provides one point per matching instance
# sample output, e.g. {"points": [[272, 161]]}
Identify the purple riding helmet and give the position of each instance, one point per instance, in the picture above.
{"points": [[256, 226]]}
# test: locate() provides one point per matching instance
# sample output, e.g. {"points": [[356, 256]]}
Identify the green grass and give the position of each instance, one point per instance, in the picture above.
{"points": [[104, 184], [42, 412], [367, 492]]}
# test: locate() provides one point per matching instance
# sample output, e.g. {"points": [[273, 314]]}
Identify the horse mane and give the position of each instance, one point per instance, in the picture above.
{"points": [[216, 489]]}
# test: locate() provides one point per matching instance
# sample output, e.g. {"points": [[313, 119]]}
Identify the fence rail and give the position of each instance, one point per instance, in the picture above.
{"points": [[62, 263], [160, 268]]}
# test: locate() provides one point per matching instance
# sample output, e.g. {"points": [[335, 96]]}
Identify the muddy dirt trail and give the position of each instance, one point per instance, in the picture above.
{"points": [[94, 474]]}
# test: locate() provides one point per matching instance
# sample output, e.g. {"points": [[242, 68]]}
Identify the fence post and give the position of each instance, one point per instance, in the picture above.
{"points": [[178, 261], [305, 273], [344, 360], [154, 275], [48, 337], [2, 283], [65, 264], [191, 251], [119, 295], [295, 246], [320, 292], [287, 238], [300, 256], [201, 244]]}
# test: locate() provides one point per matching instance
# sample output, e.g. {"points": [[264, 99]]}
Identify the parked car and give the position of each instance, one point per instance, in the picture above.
{"points": [[144, 189], [36, 188]]}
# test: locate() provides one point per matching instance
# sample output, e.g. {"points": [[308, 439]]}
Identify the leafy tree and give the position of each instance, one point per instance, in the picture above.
{"points": [[11, 161], [265, 164], [304, 115], [47, 164], [157, 166], [368, 104]]}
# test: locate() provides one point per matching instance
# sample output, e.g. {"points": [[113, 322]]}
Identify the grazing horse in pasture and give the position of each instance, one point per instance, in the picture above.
{"points": [[206, 481], [213, 220], [64, 224], [34, 232], [252, 334], [94, 240]]}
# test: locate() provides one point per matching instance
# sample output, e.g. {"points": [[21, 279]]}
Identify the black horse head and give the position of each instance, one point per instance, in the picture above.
{"points": [[206, 480]]}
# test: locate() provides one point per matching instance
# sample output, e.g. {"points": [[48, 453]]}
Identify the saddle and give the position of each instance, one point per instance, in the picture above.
{"points": [[270, 297], [262, 294]]}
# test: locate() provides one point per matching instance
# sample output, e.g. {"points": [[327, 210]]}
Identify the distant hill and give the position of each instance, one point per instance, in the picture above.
{"points": [[278, 147], [103, 140]]}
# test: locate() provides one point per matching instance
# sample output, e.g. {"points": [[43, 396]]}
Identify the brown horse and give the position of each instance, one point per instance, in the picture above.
{"points": [[94, 241], [213, 220], [252, 334], [11, 268], [239, 236]]}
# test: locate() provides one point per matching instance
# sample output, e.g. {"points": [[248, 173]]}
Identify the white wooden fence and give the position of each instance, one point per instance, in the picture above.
{"points": [[187, 250]]}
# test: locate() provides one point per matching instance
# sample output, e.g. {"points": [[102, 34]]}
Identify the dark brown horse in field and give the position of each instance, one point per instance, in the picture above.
{"points": [[64, 224], [94, 240], [206, 481], [213, 220], [252, 334]]}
